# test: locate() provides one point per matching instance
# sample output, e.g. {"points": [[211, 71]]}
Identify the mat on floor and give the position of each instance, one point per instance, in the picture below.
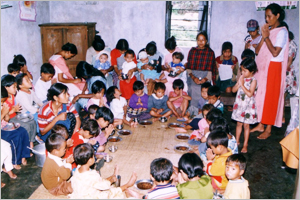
{"points": [[42, 193]]}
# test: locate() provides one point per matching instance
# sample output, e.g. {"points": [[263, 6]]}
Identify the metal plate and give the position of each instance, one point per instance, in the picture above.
{"points": [[147, 181], [124, 132], [174, 125], [11, 126], [184, 148], [145, 122], [114, 139], [24, 117], [182, 136]]}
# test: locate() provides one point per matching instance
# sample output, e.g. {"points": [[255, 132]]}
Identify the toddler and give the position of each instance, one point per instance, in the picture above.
{"points": [[216, 159], [45, 81], [127, 83], [193, 183], [254, 37], [98, 90], [103, 64], [227, 59], [13, 69], [57, 171], [237, 187], [21, 61], [88, 184], [138, 103], [157, 102], [179, 100], [244, 107], [118, 105], [214, 97]]}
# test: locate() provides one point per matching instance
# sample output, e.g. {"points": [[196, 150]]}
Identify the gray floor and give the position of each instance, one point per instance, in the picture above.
{"points": [[266, 178]]}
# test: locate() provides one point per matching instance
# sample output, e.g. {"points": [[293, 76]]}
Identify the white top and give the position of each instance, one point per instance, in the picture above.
{"points": [[41, 88], [116, 107], [128, 66], [26, 101], [281, 41]]}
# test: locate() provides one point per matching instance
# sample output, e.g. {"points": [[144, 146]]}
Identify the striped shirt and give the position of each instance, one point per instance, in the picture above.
{"points": [[46, 114], [167, 191]]}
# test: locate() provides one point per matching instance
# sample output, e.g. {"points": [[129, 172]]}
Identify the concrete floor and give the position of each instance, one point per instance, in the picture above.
{"points": [[267, 180]]}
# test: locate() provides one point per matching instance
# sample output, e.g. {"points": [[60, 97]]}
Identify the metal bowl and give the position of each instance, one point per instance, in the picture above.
{"points": [[120, 126], [112, 133], [114, 139], [108, 158], [182, 136], [11, 126], [174, 125], [144, 184], [124, 132], [182, 148], [163, 119], [24, 117], [145, 122], [113, 148]]}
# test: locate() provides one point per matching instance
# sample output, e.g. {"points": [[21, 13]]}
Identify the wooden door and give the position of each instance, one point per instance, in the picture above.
{"points": [[52, 41]]}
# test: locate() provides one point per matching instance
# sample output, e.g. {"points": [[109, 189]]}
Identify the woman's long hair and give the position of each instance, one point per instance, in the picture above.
{"points": [[84, 71]]}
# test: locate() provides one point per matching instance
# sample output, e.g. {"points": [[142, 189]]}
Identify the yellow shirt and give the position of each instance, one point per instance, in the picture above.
{"points": [[238, 189]]}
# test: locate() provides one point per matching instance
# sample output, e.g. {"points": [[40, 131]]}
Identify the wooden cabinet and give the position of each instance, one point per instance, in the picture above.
{"points": [[55, 35]]}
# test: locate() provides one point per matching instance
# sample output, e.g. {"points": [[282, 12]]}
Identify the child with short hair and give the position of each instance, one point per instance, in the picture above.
{"points": [[227, 59], [92, 111], [238, 186], [56, 171], [21, 61], [216, 159], [126, 86], [157, 102], [103, 64], [244, 107], [214, 97], [45, 81], [62, 130], [88, 184], [13, 69], [138, 103], [193, 183], [179, 100], [98, 90], [247, 53]]}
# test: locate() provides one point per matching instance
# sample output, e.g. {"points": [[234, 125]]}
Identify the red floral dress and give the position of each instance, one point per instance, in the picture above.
{"points": [[244, 108]]}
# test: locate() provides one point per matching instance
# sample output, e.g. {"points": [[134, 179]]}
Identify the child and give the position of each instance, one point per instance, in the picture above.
{"points": [[62, 130], [247, 53], [244, 108], [179, 100], [45, 81], [254, 37], [118, 105], [216, 158], [214, 97], [13, 69], [92, 111], [103, 64], [98, 90], [57, 171], [138, 103], [20, 61], [175, 71], [27, 98], [157, 102], [126, 84], [230, 60], [88, 184], [193, 183], [237, 187]]}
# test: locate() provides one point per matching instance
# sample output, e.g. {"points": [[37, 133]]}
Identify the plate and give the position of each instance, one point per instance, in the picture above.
{"points": [[124, 132], [114, 139], [174, 125], [183, 148], [145, 122], [182, 136], [143, 183], [24, 117], [11, 126]]}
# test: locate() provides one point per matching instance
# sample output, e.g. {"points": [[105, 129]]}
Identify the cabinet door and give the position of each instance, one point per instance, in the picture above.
{"points": [[52, 41]]}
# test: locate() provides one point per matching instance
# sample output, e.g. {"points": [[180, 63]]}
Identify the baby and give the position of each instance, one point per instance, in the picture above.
{"points": [[102, 63]]}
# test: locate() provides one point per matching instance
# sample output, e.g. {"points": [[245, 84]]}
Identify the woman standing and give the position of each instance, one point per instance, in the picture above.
{"points": [[202, 67], [272, 64]]}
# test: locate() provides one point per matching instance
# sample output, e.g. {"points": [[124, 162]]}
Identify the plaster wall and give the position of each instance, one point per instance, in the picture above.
{"points": [[22, 37]]}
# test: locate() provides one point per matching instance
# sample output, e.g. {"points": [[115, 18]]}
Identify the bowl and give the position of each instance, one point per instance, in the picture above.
{"points": [[112, 133], [182, 148], [144, 184], [145, 122], [113, 148], [24, 117], [174, 125], [108, 158], [163, 119], [182, 136], [119, 126], [124, 132], [114, 139]]}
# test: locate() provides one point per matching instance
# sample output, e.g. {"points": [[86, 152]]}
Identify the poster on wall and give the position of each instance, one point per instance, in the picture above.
{"points": [[261, 5], [27, 10]]}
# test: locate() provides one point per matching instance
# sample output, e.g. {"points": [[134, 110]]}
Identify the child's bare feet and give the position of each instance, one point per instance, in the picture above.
{"points": [[17, 167], [2, 185], [24, 161], [180, 130], [11, 174], [244, 149]]}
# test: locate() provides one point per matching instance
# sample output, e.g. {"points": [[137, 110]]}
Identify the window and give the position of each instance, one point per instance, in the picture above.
{"points": [[184, 20]]}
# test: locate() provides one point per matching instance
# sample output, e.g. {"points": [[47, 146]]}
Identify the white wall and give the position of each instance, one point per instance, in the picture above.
{"points": [[22, 37]]}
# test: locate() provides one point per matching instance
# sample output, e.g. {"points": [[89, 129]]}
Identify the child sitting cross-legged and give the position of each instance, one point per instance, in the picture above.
{"points": [[214, 97], [56, 171], [216, 159], [161, 170], [157, 102], [179, 100], [88, 184], [237, 187], [193, 183]]}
